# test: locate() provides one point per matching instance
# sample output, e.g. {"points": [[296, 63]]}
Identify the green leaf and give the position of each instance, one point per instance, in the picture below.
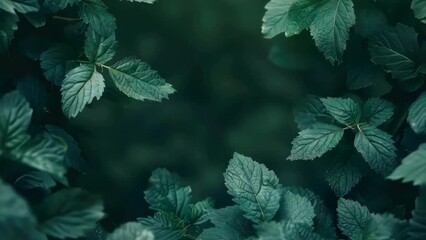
{"points": [[254, 188], [22, 6], [8, 26], [369, 21], [34, 91], [417, 114], [396, 50], [137, 80], [167, 192], [165, 226], [54, 62], [314, 142], [197, 213], [275, 20], [131, 231], [345, 110], [352, 218], [36, 179], [412, 168], [419, 9], [94, 13], [330, 28], [286, 231], [43, 153], [37, 19], [344, 174], [144, 1], [16, 218], [80, 86], [69, 213], [99, 49], [296, 209], [417, 229], [384, 227], [377, 111], [15, 117], [310, 113], [53, 6], [377, 149]]}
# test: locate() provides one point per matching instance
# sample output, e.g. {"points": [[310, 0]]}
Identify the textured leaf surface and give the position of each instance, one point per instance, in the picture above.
{"points": [[80, 87], [419, 9], [417, 114], [345, 110], [36, 179], [167, 192], [314, 142], [330, 28], [254, 188], [310, 113], [15, 117], [131, 231], [286, 231], [275, 19], [99, 49], [197, 213], [377, 111], [296, 209], [412, 168], [396, 50], [54, 62], [22, 6], [377, 149], [384, 227], [352, 218], [344, 174], [69, 213], [165, 226], [137, 80], [52, 6], [94, 13]]}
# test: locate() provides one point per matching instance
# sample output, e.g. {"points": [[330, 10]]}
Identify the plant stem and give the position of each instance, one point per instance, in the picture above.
{"points": [[66, 18]]}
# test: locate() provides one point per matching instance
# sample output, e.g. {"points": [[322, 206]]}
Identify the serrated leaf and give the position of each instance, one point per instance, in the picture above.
{"points": [[352, 218], [275, 19], [310, 113], [137, 80], [94, 13], [197, 213], [417, 228], [396, 50], [22, 6], [43, 153], [377, 111], [99, 49], [330, 28], [53, 6], [69, 213], [286, 231], [80, 86], [344, 174], [417, 114], [296, 209], [384, 227], [8, 26], [314, 142], [377, 149], [254, 188], [165, 226], [15, 117], [419, 9], [167, 192], [16, 218], [412, 168], [131, 231], [36, 179], [345, 110], [54, 62]]}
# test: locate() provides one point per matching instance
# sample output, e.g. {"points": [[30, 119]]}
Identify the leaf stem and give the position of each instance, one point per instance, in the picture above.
{"points": [[70, 19]]}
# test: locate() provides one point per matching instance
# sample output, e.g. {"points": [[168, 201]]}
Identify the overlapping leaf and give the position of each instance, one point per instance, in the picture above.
{"points": [[417, 114], [352, 218], [412, 168]]}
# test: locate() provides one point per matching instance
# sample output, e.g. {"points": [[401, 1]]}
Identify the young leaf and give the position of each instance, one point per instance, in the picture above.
{"points": [[377, 149], [345, 110], [16, 218], [417, 229], [8, 26], [94, 13], [36, 179], [131, 231], [412, 168], [15, 117], [54, 62], [314, 142], [330, 28], [296, 209], [417, 114], [137, 80], [254, 188], [43, 153], [396, 50], [344, 174], [69, 213], [80, 87], [167, 192], [99, 49], [377, 111], [419, 9], [352, 218]]}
